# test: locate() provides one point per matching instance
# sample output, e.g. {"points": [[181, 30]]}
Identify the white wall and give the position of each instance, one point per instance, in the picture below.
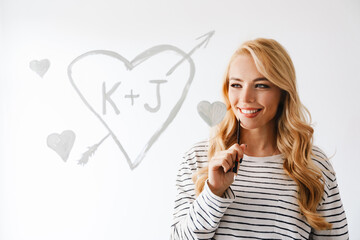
{"points": [[43, 197]]}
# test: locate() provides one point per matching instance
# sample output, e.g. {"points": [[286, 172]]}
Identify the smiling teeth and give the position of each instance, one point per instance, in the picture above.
{"points": [[249, 111]]}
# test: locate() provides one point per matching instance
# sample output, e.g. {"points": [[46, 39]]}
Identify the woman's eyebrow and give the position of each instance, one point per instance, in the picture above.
{"points": [[255, 80]]}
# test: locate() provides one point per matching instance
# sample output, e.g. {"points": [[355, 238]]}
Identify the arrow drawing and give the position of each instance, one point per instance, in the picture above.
{"points": [[130, 65], [91, 151], [205, 41]]}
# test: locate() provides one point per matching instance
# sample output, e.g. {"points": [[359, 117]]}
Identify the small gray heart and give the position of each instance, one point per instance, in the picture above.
{"points": [[40, 67], [62, 143], [213, 113]]}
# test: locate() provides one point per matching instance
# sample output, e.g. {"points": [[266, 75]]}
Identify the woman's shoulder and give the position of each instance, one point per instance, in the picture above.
{"points": [[197, 155], [323, 163]]}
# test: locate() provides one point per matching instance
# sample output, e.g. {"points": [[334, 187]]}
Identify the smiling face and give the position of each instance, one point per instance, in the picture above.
{"points": [[254, 99]]}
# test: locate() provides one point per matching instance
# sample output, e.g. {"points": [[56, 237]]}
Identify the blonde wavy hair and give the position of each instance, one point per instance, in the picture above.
{"points": [[294, 133]]}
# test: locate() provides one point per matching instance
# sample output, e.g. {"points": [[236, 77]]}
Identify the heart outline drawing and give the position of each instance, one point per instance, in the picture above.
{"points": [[140, 58]]}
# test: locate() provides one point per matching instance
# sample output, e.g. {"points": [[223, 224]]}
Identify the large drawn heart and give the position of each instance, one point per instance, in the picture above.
{"points": [[139, 60]]}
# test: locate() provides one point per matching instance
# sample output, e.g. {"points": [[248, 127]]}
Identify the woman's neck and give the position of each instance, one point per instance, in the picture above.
{"points": [[260, 142]]}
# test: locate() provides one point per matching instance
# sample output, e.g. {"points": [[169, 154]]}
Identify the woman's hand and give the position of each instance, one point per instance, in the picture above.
{"points": [[221, 165]]}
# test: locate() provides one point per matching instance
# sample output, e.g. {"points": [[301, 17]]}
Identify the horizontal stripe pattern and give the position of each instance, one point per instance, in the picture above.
{"points": [[260, 204]]}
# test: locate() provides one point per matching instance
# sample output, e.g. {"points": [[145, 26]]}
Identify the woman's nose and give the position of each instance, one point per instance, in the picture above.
{"points": [[247, 94]]}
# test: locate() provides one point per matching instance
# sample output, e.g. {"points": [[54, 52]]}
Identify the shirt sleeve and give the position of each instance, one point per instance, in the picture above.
{"points": [[331, 208], [196, 217]]}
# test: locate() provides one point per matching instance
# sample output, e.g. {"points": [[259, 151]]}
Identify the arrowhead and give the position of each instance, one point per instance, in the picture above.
{"points": [[206, 37]]}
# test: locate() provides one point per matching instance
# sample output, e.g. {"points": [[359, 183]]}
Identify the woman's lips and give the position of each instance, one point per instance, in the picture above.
{"points": [[250, 112]]}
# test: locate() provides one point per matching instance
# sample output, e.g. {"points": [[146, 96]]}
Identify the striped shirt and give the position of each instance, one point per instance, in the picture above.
{"points": [[260, 204]]}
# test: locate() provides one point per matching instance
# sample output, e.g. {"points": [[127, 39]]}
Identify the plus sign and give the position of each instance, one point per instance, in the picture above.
{"points": [[132, 96]]}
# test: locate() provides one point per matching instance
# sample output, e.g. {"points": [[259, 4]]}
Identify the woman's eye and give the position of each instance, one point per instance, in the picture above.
{"points": [[261, 86], [235, 85]]}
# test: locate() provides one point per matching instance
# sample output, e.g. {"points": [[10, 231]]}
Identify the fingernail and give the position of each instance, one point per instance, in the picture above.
{"points": [[235, 168]]}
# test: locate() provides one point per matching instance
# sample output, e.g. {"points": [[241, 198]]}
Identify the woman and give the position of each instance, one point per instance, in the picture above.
{"points": [[284, 187]]}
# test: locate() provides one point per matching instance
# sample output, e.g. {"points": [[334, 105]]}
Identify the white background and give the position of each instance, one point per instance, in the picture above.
{"points": [[42, 197]]}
